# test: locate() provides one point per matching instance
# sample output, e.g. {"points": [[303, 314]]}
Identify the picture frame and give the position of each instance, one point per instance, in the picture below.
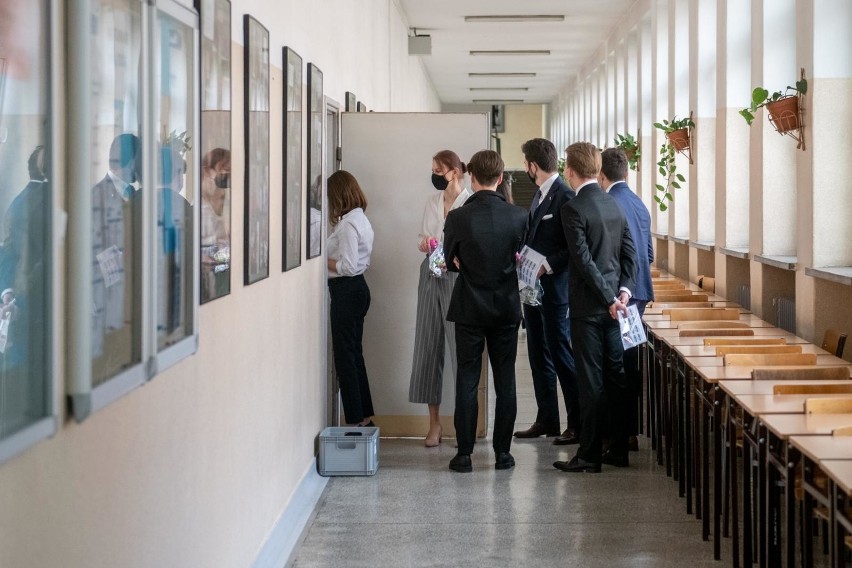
{"points": [[362, 107], [256, 83], [351, 104], [316, 111], [293, 107], [215, 147]]}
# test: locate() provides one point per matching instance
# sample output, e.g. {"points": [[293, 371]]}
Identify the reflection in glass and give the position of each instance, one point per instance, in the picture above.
{"points": [[257, 151], [293, 162], [115, 174], [215, 149], [25, 230], [315, 131], [175, 183]]}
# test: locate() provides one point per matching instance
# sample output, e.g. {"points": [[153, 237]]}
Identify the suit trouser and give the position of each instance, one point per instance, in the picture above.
{"points": [[502, 344], [602, 385], [633, 372], [551, 356], [350, 300]]}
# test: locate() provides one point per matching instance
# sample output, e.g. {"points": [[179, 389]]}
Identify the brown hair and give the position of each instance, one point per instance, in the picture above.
{"points": [[486, 166], [584, 158], [215, 157], [542, 152], [344, 195], [450, 160], [614, 164]]}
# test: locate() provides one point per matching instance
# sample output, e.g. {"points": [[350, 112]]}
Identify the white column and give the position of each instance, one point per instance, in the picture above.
{"points": [[679, 107], [646, 118], [659, 99], [631, 94]]}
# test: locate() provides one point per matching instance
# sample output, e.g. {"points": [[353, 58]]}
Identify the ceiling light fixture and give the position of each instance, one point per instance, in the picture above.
{"points": [[510, 52], [518, 18], [501, 74], [499, 88], [496, 101]]}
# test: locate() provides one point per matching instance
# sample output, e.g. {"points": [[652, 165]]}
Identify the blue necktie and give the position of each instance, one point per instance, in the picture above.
{"points": [[535, 202]]}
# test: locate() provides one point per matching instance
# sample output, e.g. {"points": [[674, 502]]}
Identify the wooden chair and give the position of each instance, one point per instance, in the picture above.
{"points": [[667, 305], [828, 406], [722, 350], [689, 297], [743, 359], [833, 341], [670, 284], [809, 373], [708, 283], [735, 331], [798, 388], [842, 431], [702, 314], [655, 273], [712, 324], [736, 341]]}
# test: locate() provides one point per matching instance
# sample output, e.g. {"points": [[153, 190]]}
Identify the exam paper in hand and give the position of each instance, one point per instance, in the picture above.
{"points": [[529, 266], [632, 330]]}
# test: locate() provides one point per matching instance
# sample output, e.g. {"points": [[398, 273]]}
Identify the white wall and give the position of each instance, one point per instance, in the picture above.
{"points": [[195, 468]]}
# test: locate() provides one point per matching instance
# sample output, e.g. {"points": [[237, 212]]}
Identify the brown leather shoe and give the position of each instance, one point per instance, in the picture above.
{"points": [[537, 430], [567, 438]]}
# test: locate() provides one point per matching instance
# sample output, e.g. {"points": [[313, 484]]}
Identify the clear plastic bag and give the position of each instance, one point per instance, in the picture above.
{"points": [[532, 296], [437, 264]]}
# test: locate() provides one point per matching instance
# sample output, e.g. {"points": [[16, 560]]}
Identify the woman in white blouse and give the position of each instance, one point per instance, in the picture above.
{"points": [[350, 244], [433, 331]]}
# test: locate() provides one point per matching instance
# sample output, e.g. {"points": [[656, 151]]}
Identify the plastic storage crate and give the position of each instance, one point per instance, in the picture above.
{"points": [[348, 451]]}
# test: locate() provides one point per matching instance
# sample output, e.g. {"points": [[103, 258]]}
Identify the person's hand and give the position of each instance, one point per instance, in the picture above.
{"points": [[616, 307], [541, 271], [623, 297], [456, 263], [424, 245]]}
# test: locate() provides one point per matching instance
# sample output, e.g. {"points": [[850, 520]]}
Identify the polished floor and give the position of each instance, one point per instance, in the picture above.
{"points": [[416, 512]]}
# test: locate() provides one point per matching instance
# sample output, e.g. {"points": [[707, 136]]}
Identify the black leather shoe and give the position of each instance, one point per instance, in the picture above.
{"points": [[577, 465], [633, 444], [504, 460], [461, 463], [610, 458], [537, 429], [567, 438]]}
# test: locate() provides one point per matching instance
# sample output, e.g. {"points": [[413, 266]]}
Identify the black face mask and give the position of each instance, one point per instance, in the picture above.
{"points": [[222, 181], [532, 178], [440, 182]]}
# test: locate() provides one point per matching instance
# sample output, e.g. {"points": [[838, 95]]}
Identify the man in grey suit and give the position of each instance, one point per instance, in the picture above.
{"points": [[612, 176], [603, 266], [481, 239]]}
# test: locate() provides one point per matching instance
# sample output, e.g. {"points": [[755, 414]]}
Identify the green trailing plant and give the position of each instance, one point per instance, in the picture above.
{"points": [[760, 97], [631, 148], [560, 167], [667, 166]]}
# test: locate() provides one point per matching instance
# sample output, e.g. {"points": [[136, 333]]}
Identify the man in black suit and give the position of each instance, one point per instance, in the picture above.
{"points": [[602, 274], [548, 336], [480, 242]]}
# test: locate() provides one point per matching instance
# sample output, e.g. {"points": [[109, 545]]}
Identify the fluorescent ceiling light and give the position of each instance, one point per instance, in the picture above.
{"points": [[519, 18], [499, 88], [501, 74], [490, 101], [510, 52]]}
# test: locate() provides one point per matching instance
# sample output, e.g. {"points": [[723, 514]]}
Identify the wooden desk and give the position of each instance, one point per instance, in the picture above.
{"points": [[840, 487], [737, 387], [710, 350]]}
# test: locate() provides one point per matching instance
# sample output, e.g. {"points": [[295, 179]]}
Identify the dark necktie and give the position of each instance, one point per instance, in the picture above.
{"points": [[536, 201]]}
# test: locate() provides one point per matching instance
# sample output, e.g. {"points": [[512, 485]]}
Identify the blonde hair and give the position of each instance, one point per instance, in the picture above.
{"points": [[344, 195], [584, 158]]}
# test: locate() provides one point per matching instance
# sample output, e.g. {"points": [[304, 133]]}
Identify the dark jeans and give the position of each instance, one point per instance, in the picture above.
{"points": [[602, 385], [550, 356], [502, 344], [633, 371], [350, 300]]}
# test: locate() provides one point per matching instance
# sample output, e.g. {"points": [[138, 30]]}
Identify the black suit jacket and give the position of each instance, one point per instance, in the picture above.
{"points": [[602, 252], [545, 236], [484, 235]]}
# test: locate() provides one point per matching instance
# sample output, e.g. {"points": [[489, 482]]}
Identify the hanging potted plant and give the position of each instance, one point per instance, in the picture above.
{"points": [[631, 148], [677, 140], [783, 106]]}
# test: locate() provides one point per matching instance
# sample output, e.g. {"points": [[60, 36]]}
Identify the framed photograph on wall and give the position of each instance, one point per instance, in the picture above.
{"points": [[256, 74], [215, 273], [292, 160], [315, 156], [362, 107], [351, 104]]}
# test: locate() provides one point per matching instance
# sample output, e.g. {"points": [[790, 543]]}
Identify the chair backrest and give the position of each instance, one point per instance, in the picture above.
{"points": [[655, 273], [799, 388], [668, 305], [679, 297], [712, 332], [833, 341], [711, 324], [801, 374], [697, 314], [722, 350], [709, 284], [742, 359], [842, 431], [828, 405], [739, 341], [672, 284]]}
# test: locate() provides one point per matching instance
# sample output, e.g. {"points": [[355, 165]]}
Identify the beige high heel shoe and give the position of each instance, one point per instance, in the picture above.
{"points": [[433, 441]]}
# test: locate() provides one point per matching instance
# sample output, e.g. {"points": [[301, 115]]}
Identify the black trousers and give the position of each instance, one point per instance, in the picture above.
{"points": [[602, 384], [350, 300], [502, 344], [550, 355], [633, 372]]}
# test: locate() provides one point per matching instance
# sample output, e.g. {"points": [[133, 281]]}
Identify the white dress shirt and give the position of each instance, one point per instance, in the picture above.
{"points": [[433, 213], [544, 188], [350, 244]]}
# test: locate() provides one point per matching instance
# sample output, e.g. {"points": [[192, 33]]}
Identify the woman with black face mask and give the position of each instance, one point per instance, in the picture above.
{"points": [[433, 331]]}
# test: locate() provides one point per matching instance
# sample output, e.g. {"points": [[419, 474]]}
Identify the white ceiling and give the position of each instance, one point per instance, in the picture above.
{"points": [[572, 42]]}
